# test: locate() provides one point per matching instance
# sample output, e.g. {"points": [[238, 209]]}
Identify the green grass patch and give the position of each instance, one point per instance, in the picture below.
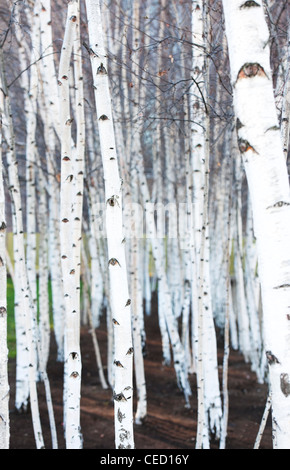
{"points": [[11, 337]]}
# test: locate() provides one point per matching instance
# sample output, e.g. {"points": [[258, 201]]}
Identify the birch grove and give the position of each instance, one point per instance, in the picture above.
{"points": [[144, 181]]}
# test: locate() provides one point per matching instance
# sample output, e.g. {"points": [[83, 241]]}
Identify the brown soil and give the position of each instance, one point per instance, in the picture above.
{"points": [[169, 425]]}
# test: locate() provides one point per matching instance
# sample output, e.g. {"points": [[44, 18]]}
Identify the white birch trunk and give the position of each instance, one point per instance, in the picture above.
{"points": [[22, 381], [207, 373], [31, 117], [259, 139], [137, 232], [4, 384], [285, 112], [50, 118], [72, 355], [28, 347], [43, 298], [119, 295]]}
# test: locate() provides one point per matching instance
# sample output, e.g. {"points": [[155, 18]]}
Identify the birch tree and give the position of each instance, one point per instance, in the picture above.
{"points": [[203, 326], [116, 260], [259, 140], [25, 312], [4, 384], [70, 272], [49, 112]]}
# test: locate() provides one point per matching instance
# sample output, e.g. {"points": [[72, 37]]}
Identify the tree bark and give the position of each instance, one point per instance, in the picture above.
{"points": [[259, 140], [116, 261], [4, 384]]}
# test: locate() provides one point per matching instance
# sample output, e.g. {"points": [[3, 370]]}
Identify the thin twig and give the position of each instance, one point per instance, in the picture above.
{"points": [[263, 421]]}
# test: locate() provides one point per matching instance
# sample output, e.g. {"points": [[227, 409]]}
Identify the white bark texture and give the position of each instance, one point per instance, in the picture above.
{"points": [[50, 116], [207, 372], [26, 347], [32, 93], [259, 140], [135, 238], [4, 384], [119, 295], [72, 353]]}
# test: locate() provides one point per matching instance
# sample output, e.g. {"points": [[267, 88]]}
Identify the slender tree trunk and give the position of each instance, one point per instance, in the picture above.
{"points": [[50, 117], [136, 236], [31, 119], [119, 295], [70, 272], [28, 346], [209, 414], [259, 140], [4, 384]]}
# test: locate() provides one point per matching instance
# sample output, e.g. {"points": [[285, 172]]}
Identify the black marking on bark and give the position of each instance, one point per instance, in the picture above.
{"points": [[3, 226], [65, 220], [115, 321], [249, 4], [251, 69], [112, 201], [70, 178], [72, 271], [114, 261], [119, 397], [68, 122], [283, 286], [103, 117], [244, 146], [1, 262], [128, 302], [239, 125], [120, 415], [118, 364], [74, 355], [64, 77], [279, 204], [130, 351], [285, 384], [124, 435], [101, 70], [3, 311], [273, 128], [74, 374], [271, 358]]}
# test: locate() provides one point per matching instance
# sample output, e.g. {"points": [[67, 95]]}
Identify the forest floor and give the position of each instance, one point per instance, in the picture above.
{"points": [[169, 424]]}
